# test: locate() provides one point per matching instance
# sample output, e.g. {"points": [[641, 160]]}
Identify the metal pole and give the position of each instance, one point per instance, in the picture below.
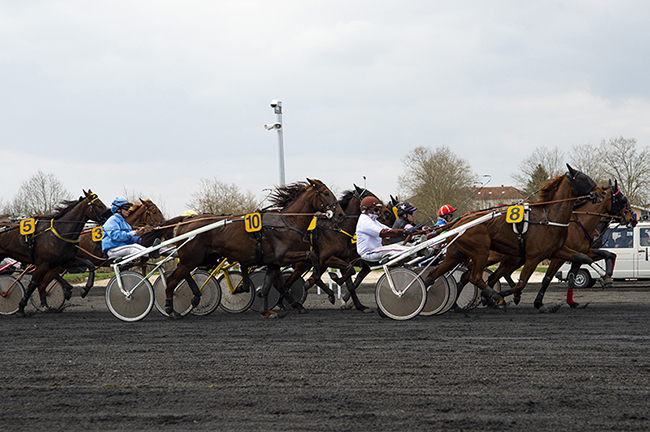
{"points": [[277, 109]]}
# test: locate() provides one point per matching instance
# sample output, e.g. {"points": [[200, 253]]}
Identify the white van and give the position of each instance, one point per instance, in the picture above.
{"points": [[632, 249]]}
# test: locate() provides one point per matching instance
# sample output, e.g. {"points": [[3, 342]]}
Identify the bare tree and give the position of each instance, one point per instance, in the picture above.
{"points": [[587, 158], [622, 161], [217, 197], [39, 195], [433, 178], [551, 160]]}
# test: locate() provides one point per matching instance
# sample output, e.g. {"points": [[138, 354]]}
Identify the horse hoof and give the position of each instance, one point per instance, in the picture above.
{"points": [[516, 298], [84, 292], [302, 311], [332, 299], [175, 315], [20, 313], [347, 305], [269, 314], [364, 309], [67, 294], [195, 301], [574, 305]]}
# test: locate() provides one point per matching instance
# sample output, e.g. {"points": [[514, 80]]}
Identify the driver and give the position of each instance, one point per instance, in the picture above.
{"points": [[119, 238], [370, 232]]}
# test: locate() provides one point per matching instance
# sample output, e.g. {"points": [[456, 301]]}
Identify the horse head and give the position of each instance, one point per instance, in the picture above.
{"points": [[146, 213], [96, 210], [386, 214], [325, 201], [581, 183], [621, 207]]}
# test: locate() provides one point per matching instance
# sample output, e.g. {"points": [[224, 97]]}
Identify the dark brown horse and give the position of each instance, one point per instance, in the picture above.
{"points": [[53, 244], [335, 247], [548, 222], [279, 242]]}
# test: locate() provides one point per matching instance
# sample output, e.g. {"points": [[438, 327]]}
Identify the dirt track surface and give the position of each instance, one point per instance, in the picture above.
{"points": [[330, 369]]}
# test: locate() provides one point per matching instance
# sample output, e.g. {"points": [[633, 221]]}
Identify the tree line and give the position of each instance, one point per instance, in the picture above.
{"points": [[431, 178]]}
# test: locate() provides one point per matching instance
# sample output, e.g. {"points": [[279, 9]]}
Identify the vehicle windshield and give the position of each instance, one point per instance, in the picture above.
{"points": [[619, 238]]}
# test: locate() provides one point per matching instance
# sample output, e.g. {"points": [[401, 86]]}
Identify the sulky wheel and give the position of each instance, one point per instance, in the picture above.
{"points": [[11, 292], [235, 298], [409, 296], [257, 278], [54, 295], [438, 295], [135, 302], [182, 296], [210, 293]]}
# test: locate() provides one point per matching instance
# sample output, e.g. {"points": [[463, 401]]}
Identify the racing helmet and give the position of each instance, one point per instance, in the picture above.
{"points": [[370, 202], [404, 208], [120, 203], [445, 210]]}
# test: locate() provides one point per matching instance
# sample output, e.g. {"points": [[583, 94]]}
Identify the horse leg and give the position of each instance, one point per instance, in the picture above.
{"points": [[23, 302], [180, 273], [91, 275], [330, 294], [195, 290], [67, 288], [548, 277]]}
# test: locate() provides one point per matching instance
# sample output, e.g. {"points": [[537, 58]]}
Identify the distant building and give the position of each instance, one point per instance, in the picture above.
{"points": [[486, 197]]}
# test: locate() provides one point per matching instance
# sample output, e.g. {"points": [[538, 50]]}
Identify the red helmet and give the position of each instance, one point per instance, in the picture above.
{"points": [[370, 202], [445, 210]]}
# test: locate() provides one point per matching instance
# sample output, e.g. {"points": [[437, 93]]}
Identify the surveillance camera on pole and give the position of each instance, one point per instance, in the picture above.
{"points": [[277, 109]]}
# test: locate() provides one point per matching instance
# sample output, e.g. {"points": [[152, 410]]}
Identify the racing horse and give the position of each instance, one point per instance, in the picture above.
{"points": [[146, 213], [335, 247], [53, 244], [548, 227], [279, 241], [582, 237], [589, 217]]}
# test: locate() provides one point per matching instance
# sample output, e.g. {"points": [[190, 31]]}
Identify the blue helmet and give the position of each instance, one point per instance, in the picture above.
{"points": [[119, 203]]}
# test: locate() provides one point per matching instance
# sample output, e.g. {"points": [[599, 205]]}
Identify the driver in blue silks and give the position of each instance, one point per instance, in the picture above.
{"points": [[120, 239]]}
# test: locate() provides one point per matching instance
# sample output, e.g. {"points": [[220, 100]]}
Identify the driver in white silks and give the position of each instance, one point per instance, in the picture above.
{"points": [[370, 233]]}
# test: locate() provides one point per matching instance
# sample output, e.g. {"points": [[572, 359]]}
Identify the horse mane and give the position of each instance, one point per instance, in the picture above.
{"points": [[282, 196], [549, 189], [63, 208]]}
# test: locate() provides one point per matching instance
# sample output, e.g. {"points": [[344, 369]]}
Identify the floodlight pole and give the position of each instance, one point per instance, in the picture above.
{"points": [[277, 109]]}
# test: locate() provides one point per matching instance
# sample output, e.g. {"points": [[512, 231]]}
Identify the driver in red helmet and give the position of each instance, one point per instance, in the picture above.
{"points": [[445, 215], [370, 232]]}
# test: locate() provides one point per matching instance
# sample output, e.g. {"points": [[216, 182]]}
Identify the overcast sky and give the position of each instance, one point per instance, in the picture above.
{"points": [[153, 96]]}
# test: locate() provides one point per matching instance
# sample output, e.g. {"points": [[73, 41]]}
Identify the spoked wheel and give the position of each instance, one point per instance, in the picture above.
{"points": [[438, 295], [54, 295], [257, 278], [134, 305], [11, 292], [453, 294], [297, 289], [467, 297], [407, 300], [182, 296], [237, 299], [210, 293]]}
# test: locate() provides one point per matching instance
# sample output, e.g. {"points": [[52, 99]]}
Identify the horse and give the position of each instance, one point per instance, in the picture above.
{"points": [[52, 245], [588, 216], [548, 226], [279, 241], [335, 247], [144, 214], [581, 238]]}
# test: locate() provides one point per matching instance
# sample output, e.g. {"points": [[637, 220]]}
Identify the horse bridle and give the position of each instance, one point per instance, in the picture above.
{"points": [[91, 200], [327, 208]]}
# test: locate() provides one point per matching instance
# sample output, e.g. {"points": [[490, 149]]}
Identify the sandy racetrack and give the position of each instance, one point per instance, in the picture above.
{"points": [[333, 370]]}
